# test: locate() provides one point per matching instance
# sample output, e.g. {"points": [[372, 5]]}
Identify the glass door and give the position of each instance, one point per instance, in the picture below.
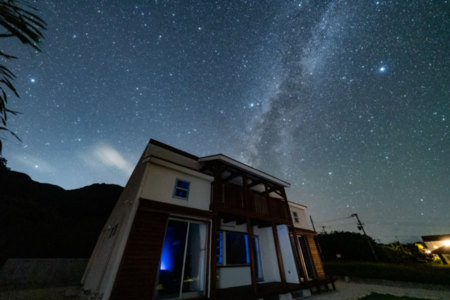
{"points": [[310, 270], [182, 271]]}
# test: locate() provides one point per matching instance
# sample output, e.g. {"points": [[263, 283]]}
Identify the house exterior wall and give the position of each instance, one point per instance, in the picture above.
{"points": [[160, 181], [301, 213], [271, 272], [316, 257], [104, 262], [289, 264], [233, 276]]}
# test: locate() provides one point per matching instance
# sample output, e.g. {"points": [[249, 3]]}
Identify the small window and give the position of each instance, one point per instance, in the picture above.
{"points": [[181, 189], [296, 219]]}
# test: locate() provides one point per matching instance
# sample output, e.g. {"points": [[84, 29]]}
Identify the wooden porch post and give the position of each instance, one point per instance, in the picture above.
{"points": [[296, 254], [213, 258], [252, 255], [302, 260], [250, 236], [216, 189], [278, 250]]}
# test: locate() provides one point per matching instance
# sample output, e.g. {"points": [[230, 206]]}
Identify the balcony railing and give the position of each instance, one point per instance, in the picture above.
{"points": [[231, 197]]}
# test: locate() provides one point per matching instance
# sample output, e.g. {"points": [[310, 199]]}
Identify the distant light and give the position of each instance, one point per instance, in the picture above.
{"points": [[382, 69], [446, 242], [32, 80]]}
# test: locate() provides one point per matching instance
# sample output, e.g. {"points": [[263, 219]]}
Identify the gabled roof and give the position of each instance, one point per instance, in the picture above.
{"points": [[243, 167], [226, 160]]}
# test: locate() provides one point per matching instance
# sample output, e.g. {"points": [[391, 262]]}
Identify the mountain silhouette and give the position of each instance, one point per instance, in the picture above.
{"points": [[39, 220]]}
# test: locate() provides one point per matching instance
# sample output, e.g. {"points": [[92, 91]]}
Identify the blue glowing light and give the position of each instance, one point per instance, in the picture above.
{"points": [[246, 250], [168, 253], [220, 250], [382, 69]]}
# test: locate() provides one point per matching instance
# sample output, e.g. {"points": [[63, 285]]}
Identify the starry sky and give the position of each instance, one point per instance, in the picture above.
{"points": [[349, 101]]}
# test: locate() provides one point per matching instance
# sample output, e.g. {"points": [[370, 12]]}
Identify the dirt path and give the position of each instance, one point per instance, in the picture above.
{"points": [[355, 290]]}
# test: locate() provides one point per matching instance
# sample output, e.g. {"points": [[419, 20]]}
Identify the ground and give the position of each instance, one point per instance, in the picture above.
{"points": [[352, 290]]}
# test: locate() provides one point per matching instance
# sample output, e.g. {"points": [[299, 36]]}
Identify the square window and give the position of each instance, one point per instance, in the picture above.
{"points": [[181, 189], [296, 219]]}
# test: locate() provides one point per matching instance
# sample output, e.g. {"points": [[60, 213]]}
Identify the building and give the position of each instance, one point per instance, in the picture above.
{"points": [[202, 227], [439, 245]]}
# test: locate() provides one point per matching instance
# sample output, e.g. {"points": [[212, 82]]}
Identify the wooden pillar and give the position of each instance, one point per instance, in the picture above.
{"points": [[296, 253], [250, 236], [213, 258], [279, 257], [302, 260], [252, 255], [217, 190]]}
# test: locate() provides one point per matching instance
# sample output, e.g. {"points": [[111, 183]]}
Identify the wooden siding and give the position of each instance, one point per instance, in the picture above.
{"points": [[137, 275], [315, 256]]}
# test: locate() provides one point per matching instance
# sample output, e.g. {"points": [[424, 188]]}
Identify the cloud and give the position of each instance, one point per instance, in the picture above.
{"points": [[103, 155]]}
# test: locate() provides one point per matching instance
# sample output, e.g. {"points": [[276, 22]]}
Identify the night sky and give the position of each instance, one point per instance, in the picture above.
{"points": [[349, 101]]}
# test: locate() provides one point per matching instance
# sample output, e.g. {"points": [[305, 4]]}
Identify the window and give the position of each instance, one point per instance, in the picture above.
{"points": [[181, 189], [232, 248], [296, 219], [182, 270]]}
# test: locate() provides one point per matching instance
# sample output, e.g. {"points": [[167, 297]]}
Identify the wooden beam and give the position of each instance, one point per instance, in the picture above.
{"points": [[302, 260], [254, 183], [231, 176], [279, 257], [213, 260], [252, 256], [296, 256], [250, 237]]}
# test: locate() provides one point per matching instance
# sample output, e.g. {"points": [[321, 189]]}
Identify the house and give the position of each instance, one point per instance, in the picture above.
{"points": [[440, 245], [202, 227], [309, 257]]}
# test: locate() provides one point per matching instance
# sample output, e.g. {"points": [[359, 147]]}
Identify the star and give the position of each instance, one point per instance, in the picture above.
{"points": [[382, 69]]}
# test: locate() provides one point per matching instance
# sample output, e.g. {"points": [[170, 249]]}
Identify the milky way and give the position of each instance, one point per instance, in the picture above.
{"points": [[347, 100]]}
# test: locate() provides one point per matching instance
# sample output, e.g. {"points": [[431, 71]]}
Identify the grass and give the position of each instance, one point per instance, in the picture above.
{"points": [[423, 273], [376, 296]]}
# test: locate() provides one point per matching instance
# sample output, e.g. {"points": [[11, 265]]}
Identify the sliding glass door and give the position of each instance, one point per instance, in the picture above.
{"points": [[182, 271]]}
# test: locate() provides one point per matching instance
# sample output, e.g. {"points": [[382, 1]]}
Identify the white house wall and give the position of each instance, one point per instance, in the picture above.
{"points": [[160, 183], [303, 220], [233, 276], [286, 253], [269, 262], [231, 226]]}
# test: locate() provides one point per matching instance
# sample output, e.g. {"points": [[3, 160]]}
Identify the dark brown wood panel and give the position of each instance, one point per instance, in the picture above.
{"points": [[138, 270], [315, 256]]}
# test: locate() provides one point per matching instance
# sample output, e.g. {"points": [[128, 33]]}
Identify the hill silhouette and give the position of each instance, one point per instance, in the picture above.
{"points": [[39, 220]]}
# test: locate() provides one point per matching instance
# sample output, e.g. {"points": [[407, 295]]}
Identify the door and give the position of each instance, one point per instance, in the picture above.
{"points": [[182, 272], [310, 270]]}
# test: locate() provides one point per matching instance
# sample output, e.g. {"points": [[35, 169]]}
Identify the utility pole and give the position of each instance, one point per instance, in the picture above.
{"points": [[361, 227], [314, 228]]}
